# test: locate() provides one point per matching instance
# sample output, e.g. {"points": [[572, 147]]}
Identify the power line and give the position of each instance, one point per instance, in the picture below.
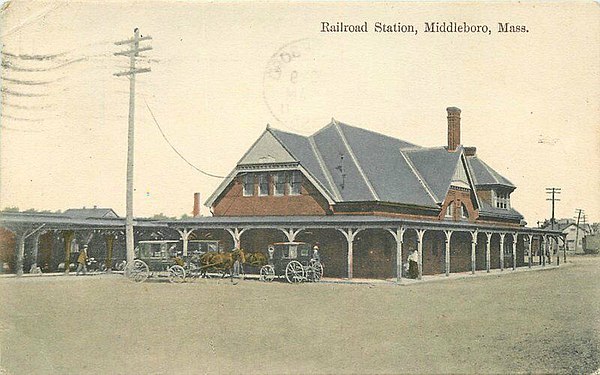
{"points": [[173, 147]]}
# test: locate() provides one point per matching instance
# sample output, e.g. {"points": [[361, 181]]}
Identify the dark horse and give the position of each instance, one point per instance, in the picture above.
{"points": [[221, 262]]}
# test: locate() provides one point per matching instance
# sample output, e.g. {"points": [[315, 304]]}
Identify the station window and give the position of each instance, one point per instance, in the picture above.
{"points": [[450, 210], [279, 183], [464, 213], [295, 183], [502, 199], [263, 184], [248, 185]]}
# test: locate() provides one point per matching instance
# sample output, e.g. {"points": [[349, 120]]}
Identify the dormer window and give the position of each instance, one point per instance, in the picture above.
{"points": [[464, 214], [501, 199], [248, 185], [295, 183], [450, 210], [263, 184], [279, 183]]}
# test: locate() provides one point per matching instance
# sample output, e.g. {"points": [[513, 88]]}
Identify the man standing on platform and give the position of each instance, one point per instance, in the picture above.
{"points": [[82, 261]]}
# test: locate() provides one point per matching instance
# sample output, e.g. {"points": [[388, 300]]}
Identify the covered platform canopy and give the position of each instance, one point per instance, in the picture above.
{"points": [[28, 224], [25, 224]]}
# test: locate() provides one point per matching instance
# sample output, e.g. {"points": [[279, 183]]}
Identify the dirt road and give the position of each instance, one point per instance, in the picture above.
{"points": [[542, 322]]}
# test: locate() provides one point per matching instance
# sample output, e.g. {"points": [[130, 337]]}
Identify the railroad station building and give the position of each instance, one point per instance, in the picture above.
{"points": [[367, 199]]}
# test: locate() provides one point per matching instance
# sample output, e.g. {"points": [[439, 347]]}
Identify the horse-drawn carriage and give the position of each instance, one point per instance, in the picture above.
{"points": [[159, 258], [293, 260]]}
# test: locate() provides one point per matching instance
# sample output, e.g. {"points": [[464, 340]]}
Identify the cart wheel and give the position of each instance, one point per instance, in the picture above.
{"points": [[267, 273], [316, 268], [138, 271], [294, 272], [176, 274]]}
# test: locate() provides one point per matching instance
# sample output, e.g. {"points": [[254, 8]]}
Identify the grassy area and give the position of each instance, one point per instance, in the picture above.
{"points": [[528, 322]]}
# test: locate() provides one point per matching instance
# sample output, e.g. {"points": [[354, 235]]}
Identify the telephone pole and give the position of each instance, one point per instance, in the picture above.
{"points": [[553, 193], [132, 53], [579, 213], [1, 101]]}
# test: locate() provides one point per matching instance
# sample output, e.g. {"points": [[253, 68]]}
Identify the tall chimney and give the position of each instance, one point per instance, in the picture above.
{"points": [[196, 211], [453, 128]]}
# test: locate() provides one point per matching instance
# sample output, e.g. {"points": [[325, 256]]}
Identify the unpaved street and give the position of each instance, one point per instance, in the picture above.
{"points": [[541, 322]]}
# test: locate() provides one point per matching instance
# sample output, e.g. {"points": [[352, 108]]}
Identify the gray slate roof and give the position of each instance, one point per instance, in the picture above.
{"points": [[486, 209], [436, 166], [380, 168], [485, 175], [85, 213]]}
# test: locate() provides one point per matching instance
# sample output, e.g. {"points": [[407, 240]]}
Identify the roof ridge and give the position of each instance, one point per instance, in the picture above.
{"points": [[331, 123], [355, 160], [286, 132], [419, 177], [375, 132], [470, 167], [456, 166], [420, 148], [328, 177], [470, 176]]}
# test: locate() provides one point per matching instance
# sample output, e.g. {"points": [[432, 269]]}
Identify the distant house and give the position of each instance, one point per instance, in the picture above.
{"points": [[572, 232], [91, 213]]}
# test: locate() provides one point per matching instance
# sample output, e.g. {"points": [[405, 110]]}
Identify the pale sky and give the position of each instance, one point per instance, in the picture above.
{"points": [[221, 71]]}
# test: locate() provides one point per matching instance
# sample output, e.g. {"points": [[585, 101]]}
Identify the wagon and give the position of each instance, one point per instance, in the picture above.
{"points": [[159, 258], [292, 260]]}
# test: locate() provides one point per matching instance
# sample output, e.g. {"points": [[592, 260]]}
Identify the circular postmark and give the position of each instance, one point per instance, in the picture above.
{"points": [[289, 79]]}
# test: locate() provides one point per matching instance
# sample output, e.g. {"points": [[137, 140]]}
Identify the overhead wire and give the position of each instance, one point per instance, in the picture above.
{"points": [[173, 147]]}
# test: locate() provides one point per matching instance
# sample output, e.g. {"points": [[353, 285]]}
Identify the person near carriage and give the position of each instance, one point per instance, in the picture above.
{"points": [[238, 262], [82, 260], [271, 251], [413, 264], [315, 254]]}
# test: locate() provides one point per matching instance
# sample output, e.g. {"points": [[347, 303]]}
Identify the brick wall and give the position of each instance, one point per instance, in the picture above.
{"points": [[459, 197], [233, 203]]}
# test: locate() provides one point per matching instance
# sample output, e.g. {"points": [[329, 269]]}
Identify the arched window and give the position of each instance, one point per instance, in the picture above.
{"points": [[450, 210], [464, 213]]}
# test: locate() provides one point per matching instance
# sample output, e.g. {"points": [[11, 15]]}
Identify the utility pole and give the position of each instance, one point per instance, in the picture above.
{"points": [[579, 213], [553, 193], [132, 53], [1, 101]]}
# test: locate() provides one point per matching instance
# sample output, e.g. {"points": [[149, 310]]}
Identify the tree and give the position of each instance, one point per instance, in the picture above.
{"points": [[162, 216]]}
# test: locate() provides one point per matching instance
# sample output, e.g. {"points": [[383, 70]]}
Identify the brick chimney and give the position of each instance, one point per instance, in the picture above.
{"points": [[453, 128], [196, 210]]}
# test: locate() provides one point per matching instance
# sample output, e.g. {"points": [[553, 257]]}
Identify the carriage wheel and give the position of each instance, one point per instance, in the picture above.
{"points": [[267, 273], [137, 271], [316, 270], [176, 274], [294, 272]]}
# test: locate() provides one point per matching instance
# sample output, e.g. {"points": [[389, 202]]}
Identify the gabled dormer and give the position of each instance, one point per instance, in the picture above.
{"points": [[269, 180], [460, 203]]}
